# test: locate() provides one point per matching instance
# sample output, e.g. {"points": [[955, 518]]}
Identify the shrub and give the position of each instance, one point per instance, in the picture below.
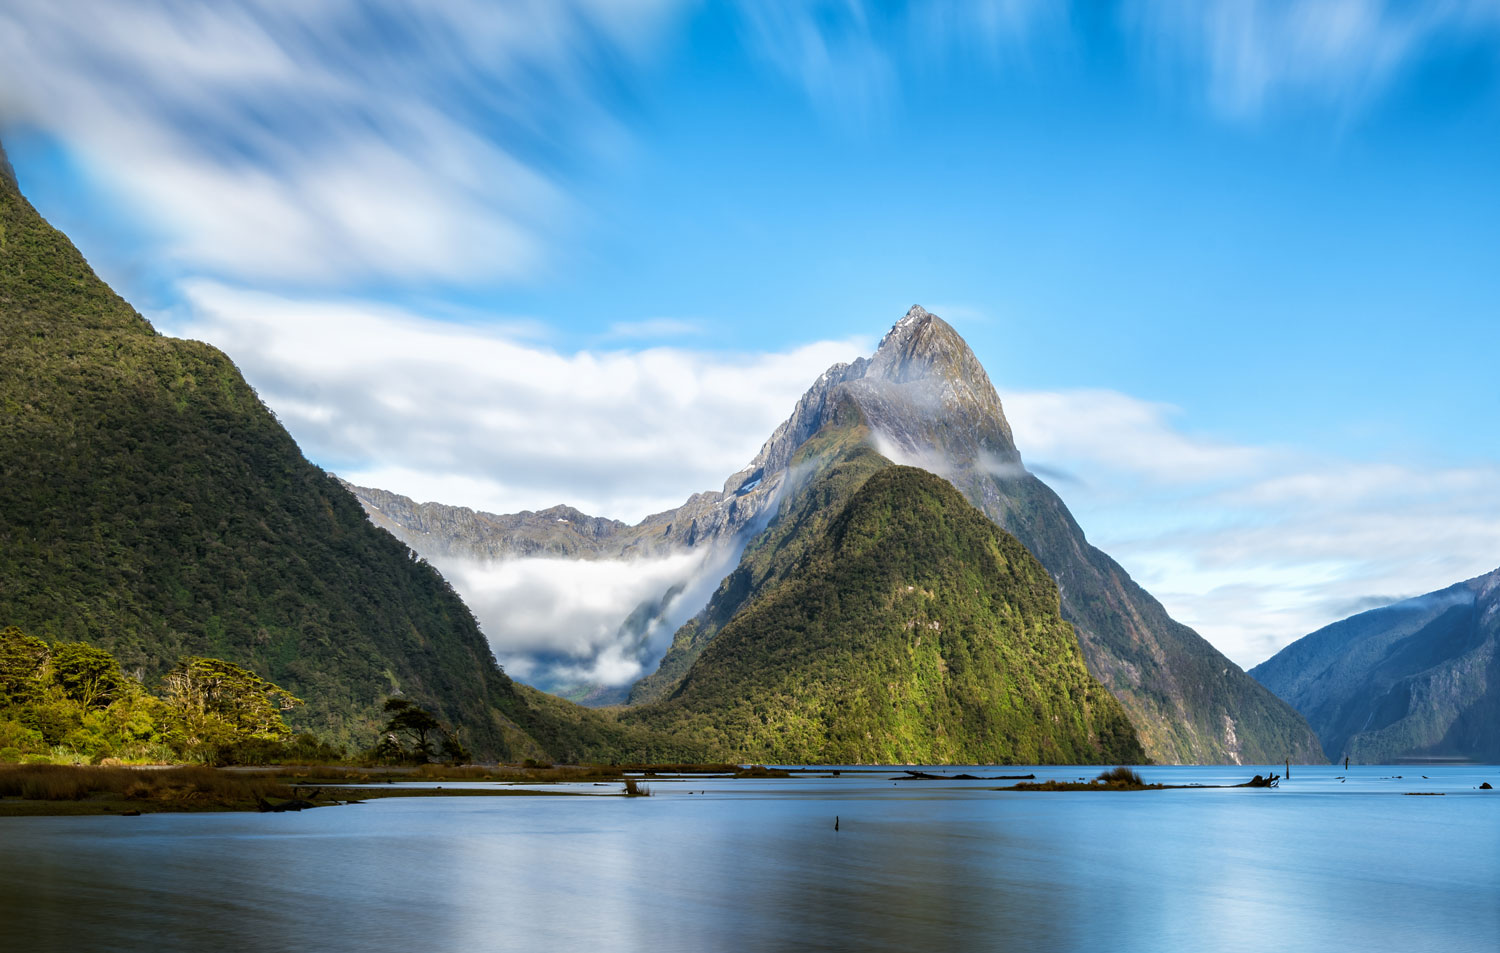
{"points": [[1121, 776]]}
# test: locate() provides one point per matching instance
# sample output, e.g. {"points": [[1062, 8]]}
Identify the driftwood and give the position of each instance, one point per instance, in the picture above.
{"points": [[295, 804], [1260, 782]]}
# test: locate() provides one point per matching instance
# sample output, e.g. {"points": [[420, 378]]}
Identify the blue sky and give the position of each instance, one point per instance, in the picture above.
{"points": [[1232, 266]]}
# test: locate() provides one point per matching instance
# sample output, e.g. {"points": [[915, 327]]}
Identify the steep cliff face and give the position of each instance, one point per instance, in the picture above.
{"points": [[1414, 680]]}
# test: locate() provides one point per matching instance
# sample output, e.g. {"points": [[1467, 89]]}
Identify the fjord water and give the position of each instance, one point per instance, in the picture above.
{"points": [[716, 864]]}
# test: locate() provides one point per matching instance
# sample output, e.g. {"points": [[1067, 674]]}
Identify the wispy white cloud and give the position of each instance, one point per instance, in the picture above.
{"points": [[1256, 546], [654, 328], [327, 142], [996, 31], [1251, 55], [470, 416], [334, 143], [828, 48], [1099, 430], [849, 56]]}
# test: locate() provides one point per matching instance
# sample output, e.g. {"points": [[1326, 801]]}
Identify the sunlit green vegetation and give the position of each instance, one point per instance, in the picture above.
{"points": [[910, 630], [70, 703]]}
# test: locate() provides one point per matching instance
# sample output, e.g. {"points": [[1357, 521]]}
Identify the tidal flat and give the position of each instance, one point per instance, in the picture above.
{"points": [[1329, 860]]}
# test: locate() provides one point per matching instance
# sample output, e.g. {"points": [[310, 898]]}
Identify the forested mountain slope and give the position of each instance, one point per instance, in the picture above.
{"points": [[151, 504], [908, 629]]}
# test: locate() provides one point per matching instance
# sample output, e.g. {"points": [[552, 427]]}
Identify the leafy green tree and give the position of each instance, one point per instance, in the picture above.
{"points": [[454, 750], [411, 731], [71, 702], [22, 660], [88, 675], [221, 703]]}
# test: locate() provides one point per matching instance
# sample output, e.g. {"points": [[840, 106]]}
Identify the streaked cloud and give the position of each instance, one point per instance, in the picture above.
{"points": [[1251, 55], [654, 328], [848, 56], [1241, 57], [332, 142]]}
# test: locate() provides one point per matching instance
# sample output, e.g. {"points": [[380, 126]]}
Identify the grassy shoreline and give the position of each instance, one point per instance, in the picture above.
{"points": [[70, 790], [36, 790]]}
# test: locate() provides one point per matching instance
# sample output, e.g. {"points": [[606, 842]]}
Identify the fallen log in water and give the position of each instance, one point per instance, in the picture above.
{"points": [[1260, 782]]}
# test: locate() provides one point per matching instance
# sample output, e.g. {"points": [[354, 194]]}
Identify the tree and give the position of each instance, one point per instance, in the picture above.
{"points": [[22, 658], [222, 703], [88, 675], [416, 726]]}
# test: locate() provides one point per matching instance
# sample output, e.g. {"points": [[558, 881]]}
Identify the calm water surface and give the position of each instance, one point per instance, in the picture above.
{"points": [[1319, 864]]}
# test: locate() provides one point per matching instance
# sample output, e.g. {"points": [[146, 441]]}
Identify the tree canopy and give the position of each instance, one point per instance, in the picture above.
{"points": [[71, 702]]}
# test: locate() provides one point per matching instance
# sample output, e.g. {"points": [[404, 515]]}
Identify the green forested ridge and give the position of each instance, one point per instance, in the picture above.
{"points": [[828, 469], [150, 504], [911, 629]]}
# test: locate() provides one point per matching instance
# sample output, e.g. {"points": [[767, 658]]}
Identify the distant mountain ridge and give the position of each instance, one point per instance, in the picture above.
{"points": [[925, 400], [436, 529], [1419, 679]]}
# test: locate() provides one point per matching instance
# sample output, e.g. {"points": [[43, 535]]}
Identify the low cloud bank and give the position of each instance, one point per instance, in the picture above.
{"points": [[556, 622]]}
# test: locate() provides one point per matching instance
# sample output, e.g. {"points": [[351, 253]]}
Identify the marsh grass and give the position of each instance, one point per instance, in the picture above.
{"points": [[634, 788], [50, 782], [761, 771], [319, 774], [1122, 776]]}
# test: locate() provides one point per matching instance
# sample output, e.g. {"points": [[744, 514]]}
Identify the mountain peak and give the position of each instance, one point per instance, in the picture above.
{"points": [[912, 324], [922, 345]]}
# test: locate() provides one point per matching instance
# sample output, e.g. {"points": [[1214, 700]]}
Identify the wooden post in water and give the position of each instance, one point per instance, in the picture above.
{"points": [[1288, 767]]}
